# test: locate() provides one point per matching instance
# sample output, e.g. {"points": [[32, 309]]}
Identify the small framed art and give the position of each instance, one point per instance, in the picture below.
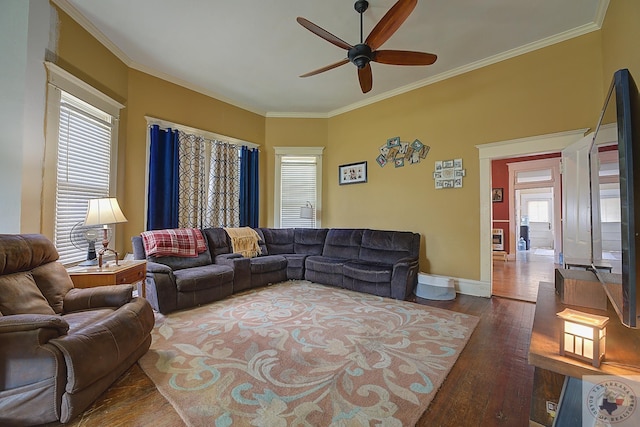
{"points": [[352, 173], [496, 195]]}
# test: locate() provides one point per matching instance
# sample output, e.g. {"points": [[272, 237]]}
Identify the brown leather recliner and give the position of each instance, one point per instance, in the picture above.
{"points": [[60, 347]]}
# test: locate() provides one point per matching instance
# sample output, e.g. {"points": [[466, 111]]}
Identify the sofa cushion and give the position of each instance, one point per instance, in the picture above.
{"points": [[54, 282], [342, 243], [218, 241], [203, 277], [309, 241], [278, 240], [323, 264], [23, 252], [79, 320], [368, 272], [20, 295], [388, 247], [295, 260], [268, 263]]}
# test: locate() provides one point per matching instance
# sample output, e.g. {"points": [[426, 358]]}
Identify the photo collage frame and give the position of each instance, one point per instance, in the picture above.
{"points": [[448, 174], [400, 153]]}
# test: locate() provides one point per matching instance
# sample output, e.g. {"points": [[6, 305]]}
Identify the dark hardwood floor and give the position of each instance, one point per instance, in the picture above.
{"points": [[519, 278], [490, 384]]}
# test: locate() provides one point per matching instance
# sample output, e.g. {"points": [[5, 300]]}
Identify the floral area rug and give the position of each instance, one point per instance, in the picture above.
{"points": [[303, 354]]}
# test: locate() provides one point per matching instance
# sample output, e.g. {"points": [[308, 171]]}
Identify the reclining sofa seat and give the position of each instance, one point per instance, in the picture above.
{"points": [[175, 283], [387, 264], [295, 244], [60, 347], [383, 263], [251, 272], [340, 246]]}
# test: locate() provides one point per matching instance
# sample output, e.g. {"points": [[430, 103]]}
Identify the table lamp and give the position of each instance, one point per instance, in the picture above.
{"points": [[306, 212], [583, 335], [104, 212]]}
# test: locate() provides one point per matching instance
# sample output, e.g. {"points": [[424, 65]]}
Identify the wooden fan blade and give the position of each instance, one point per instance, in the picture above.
{"points": [[366, 78], [390, 23], [403, 57], [321, 32], [327, 68]]}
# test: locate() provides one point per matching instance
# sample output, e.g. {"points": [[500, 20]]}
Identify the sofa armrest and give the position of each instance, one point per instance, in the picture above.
{"points": [[223, 258], [31, 366], [97, 349], [156, 267], [404, 278], [101, 296], [241, 270], [32, 322]]}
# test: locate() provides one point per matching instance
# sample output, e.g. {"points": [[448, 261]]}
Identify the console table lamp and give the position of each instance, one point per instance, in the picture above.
{"points": [[104, 212], [583, 335], [306, 212]]}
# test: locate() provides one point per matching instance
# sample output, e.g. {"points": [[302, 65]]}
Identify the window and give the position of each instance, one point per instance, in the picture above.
{"points": [[538, 210], [298, 183], [79, 158]]}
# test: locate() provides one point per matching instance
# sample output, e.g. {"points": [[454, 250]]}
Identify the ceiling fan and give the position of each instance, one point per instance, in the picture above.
{"points": [[364, 52]]}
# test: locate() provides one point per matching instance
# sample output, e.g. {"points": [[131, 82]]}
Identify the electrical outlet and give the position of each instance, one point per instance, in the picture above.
{"points": [[551, 408]]}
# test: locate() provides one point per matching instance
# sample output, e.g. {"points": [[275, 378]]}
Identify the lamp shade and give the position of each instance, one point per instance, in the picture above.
{"points": [[104, 211], [306, 212]]}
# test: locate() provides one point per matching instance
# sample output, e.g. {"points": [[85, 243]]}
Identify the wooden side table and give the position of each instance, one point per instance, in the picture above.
{"points": [[128, 272]]}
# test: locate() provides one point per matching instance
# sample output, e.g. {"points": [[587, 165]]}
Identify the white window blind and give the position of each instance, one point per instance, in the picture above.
{"points": [[83, 168], [298, 186], [538, 210]]}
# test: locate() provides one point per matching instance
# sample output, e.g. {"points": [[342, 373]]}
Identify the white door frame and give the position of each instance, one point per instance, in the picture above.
{"points": [[554, 165], [541, 144]]}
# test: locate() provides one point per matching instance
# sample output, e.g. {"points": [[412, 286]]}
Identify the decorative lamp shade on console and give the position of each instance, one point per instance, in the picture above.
{"points": [[306, 212], [104, 212], [583, 336]]}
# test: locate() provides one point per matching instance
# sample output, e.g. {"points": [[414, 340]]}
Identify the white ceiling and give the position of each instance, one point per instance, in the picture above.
{"points": [[250, 52]]}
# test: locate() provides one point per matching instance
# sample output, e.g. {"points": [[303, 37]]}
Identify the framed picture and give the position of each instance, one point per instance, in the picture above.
{"points": [[496, 195], [353, 173]]}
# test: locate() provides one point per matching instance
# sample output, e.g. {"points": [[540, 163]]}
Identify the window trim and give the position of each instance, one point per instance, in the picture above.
{"points": [[281, 152], [58, 81]]}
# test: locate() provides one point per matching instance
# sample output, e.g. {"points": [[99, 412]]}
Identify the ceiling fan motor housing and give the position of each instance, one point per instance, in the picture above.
{"points": [[360, 55], [361, 6]]}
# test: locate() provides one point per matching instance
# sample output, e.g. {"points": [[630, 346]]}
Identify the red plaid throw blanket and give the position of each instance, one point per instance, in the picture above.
{"points": [[181, 242]]}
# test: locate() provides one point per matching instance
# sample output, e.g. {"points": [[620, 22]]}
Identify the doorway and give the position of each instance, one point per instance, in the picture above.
{"points": [[502, 150], [533, 216]]}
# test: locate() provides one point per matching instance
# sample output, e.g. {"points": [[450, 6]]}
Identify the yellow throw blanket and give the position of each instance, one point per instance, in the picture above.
{"points": [[244, 241]]}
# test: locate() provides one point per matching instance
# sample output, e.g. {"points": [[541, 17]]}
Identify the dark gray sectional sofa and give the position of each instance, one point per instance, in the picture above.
{"points": [[383, 263]]}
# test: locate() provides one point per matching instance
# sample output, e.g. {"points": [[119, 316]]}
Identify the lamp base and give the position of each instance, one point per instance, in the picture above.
{"points": [[101, 254]]}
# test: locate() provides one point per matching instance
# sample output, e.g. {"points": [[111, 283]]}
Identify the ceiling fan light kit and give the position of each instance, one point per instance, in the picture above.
{"points": [[366, 51]]}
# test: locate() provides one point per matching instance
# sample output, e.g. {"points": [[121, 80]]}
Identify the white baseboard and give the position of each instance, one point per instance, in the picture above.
{"points": [[474, 288]]}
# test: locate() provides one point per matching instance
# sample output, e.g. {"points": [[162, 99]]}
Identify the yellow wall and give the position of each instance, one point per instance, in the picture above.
{"points": [[554, 89], [620, 35], [287, 132], [549, 90]]}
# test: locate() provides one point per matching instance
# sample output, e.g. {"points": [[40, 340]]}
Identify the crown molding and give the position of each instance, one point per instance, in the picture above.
{"points": [[68, 8], [77, 16], [567, 35], [175, 80], [298, 115]]}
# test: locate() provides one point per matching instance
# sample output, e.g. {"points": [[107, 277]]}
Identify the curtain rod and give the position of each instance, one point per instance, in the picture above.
{"points": [[210, 135]]}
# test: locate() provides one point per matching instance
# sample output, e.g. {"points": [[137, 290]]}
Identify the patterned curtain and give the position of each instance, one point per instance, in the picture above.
{"points": [[209, 183]]}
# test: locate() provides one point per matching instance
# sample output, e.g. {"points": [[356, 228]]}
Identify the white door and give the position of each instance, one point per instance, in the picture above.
{"points": [[576, 201]]}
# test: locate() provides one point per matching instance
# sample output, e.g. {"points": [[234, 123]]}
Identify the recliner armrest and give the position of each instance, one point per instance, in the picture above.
{"points": [[30, 322], [156, 267], [102, 296]]}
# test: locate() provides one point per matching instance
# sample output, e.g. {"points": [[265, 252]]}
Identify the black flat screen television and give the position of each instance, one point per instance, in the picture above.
{"points": [[620, 120]]}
